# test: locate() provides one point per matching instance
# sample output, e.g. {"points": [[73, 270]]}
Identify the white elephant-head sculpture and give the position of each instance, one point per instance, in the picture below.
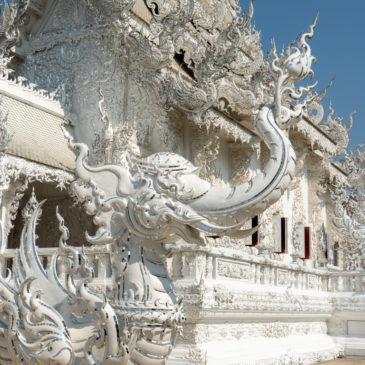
{"points": [[139, 209], [162, 197]]}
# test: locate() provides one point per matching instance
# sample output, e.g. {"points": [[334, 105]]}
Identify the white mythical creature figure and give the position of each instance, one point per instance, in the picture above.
{"points": [[138, 211], [32, 330]]}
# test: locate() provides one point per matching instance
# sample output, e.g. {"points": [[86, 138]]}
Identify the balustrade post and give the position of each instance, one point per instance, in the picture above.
{"points": [[340, 284], [272, 275], [266, 280], [258, 274], [344, 283], [330, 284], [351, 283], [325, 282], [296, 279], [304, 281], [359, 283], [335, 284], [292, 279]]}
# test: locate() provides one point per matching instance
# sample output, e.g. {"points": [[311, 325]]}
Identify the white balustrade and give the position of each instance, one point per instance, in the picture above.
{"points": [[267, 272], [295, 275], [99, 260]]}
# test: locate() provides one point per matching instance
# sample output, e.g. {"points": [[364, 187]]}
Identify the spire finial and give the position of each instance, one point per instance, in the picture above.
{"points": [[30, 207]]}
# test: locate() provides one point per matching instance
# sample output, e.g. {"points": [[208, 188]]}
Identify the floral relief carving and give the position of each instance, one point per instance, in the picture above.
{"points": [[232, 270]]}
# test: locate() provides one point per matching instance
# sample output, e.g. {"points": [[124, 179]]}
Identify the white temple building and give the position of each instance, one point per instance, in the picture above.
{"points": [[168, 195]]}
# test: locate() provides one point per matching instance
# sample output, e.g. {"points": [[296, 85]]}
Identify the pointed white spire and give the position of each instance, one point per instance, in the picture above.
{"points": [[30, 207]]}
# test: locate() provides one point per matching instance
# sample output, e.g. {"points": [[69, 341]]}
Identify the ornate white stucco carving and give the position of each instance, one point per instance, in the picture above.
{"points": [[12, 16], [155, 93], [16, 176], [315, 110], [4, 134], [333, 126], [142, 203], [349, 216]]}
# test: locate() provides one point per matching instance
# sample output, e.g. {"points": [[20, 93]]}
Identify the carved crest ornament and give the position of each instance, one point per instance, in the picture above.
{"points": [[141, 205]]}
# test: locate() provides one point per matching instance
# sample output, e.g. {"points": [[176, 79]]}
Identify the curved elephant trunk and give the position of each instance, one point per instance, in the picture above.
{"points": [[265, 188]]}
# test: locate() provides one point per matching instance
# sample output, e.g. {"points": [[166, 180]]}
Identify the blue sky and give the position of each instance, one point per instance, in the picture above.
{"points": [[338, 45]]}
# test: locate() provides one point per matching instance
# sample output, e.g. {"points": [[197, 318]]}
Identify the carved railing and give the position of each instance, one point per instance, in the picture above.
{"points": [[251, 269], [347, 281], [273, 274], [260, 270], [99, 260], [263, 271], [270, 272]]}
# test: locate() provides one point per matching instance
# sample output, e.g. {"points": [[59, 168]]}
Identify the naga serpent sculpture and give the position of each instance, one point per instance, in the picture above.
{"points": [[138, 210]]}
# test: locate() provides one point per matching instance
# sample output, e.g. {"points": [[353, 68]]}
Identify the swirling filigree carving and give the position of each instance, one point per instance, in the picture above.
{"points": [[349, 213]]}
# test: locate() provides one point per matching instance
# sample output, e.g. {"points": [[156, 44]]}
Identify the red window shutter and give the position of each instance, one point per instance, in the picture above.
{"points": [[307, 243]]}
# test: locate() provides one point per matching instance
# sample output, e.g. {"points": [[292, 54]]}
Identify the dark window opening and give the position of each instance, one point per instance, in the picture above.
{"points": [[179, 58], [307, 240], [325, 241], [336, 259], [255, 236], [283, 234]]}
